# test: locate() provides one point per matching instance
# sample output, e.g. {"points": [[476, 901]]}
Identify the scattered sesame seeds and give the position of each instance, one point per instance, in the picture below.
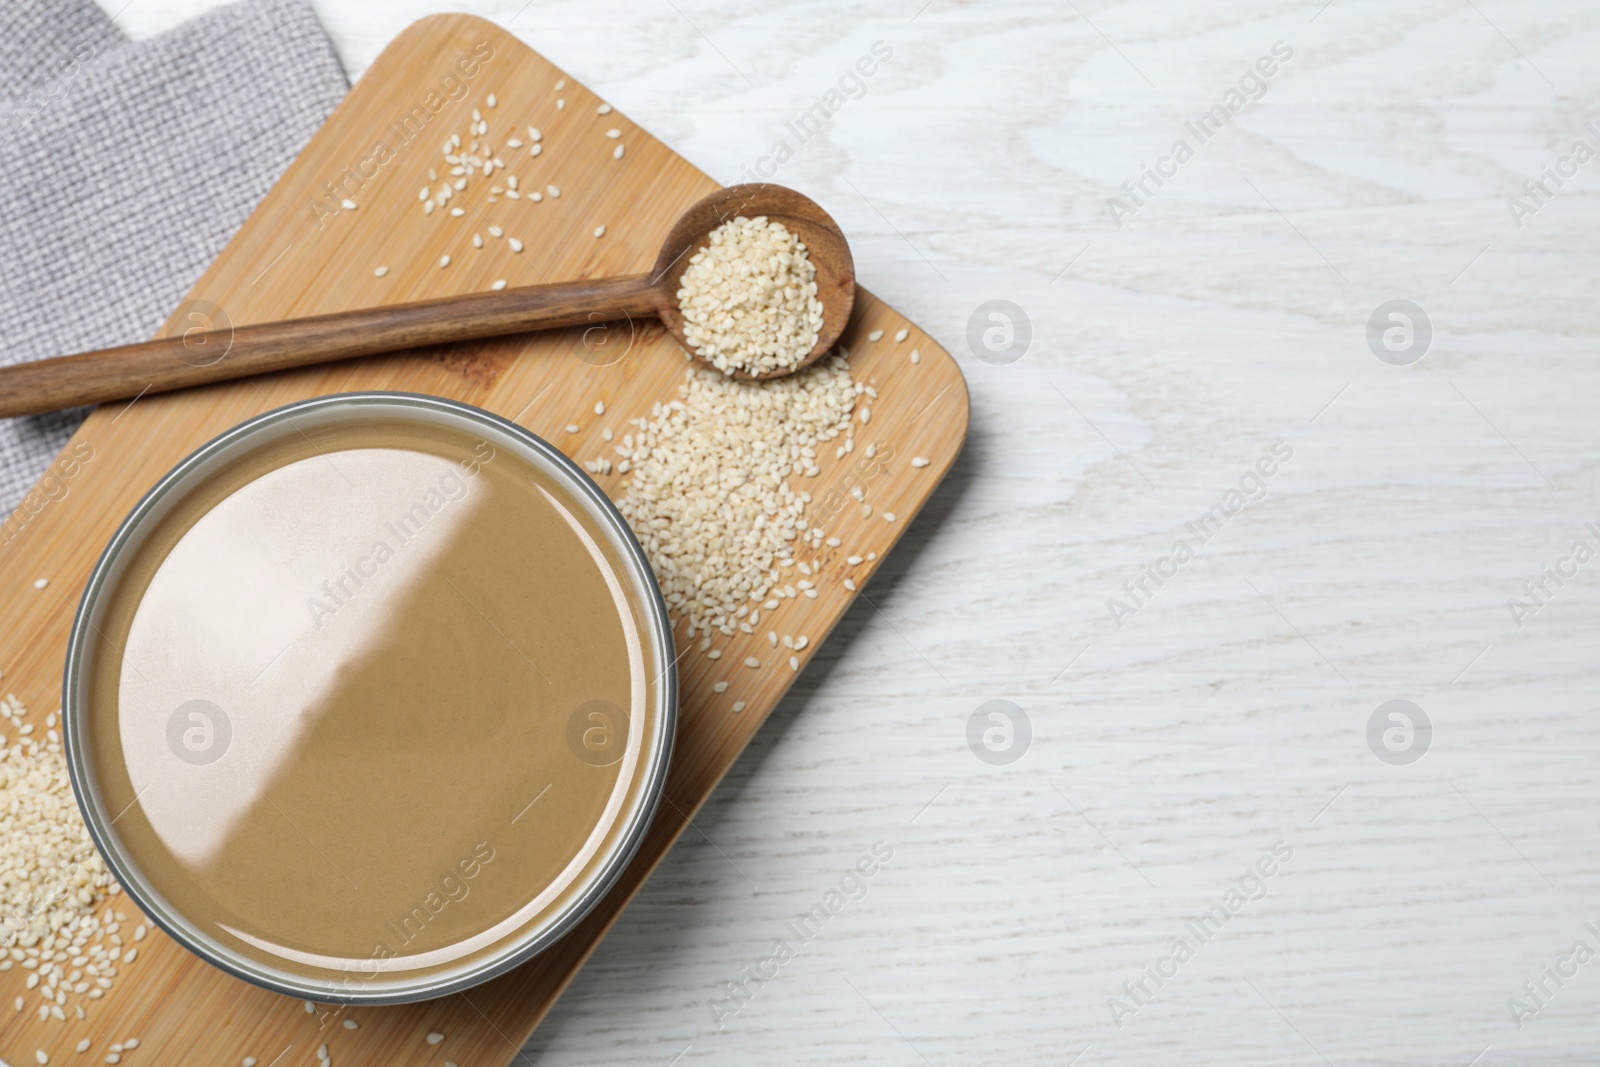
{"points": [[381, 272], [749, 299], [901, 335], [920, 461]]}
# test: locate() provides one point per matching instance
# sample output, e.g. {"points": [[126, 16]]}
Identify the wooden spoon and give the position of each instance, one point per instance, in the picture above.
{"points": [[198, 356]]}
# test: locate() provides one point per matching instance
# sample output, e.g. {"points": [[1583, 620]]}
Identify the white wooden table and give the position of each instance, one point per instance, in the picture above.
{"points": [[1229, 711]]}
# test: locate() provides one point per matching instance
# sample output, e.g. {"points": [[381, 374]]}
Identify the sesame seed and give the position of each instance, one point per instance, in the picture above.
{"points": [[715, 653], [801, 642], [854, 561], [720, 687], [920, 461], [130, 1044], [381, 272], [435, 1037], [498, 284], [515, 142], [311, 1009], [738, 706], [749, 298], [516, 245], [901, 335], [916, 356], [794, 663], [457, 212], [348, 205], [477, 240], [848, 584], [444, 261], [248, 1061], [603, 109], [40, 583], [888, 516], [866, 511], [555, 194], [599, 231], [495, 231], [620, 151], [41, 1056], [752, 662], [139, 932], [427, 209], [561, 104], [560, 85], [772, 638], [613, 133], [131, 955], [492, 101], [599, 407], [573, 427]]}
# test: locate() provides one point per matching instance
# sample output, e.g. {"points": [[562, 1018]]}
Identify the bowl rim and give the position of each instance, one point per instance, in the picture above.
{"points": [[151, 507]]}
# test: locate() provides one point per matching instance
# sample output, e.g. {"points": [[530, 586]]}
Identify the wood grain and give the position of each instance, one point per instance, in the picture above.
{"points": [[286, 262]]}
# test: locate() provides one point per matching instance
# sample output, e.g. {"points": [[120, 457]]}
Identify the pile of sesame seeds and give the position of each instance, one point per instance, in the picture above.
{"points": [[711, 495], [52, 882], [749, 298]]}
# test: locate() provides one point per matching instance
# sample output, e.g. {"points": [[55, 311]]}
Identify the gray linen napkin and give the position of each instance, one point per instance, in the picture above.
{"points": [[126, 167]]}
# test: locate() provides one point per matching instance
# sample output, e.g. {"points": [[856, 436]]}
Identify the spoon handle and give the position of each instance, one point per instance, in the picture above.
{"points": [[209, 354]]}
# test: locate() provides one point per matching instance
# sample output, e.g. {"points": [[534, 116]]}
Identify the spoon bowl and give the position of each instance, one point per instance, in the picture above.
{"points": [[823, 239]]}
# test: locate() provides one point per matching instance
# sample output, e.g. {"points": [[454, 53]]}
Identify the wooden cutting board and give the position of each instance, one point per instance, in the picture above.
{"points": [[301, 253]]}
